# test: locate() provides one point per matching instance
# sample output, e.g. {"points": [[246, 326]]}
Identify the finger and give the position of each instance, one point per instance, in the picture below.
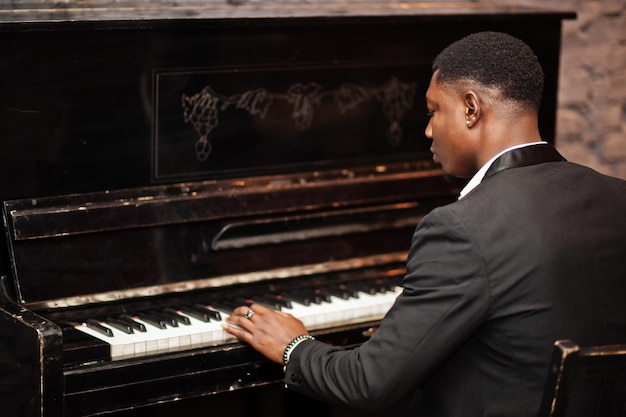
{"points": [[240, 321], [250, 311], [241, 311], [261, 309], [237, 331], [282, 313]]}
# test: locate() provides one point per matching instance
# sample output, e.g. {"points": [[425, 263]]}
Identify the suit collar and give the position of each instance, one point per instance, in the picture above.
{"points": [[519, 155], [529, 155]]}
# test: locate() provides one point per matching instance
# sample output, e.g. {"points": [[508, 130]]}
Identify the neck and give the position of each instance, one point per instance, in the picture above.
{"points": [[506, 133]]}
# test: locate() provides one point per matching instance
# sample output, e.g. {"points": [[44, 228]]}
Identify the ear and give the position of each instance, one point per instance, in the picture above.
{"points": [[472, 108]]}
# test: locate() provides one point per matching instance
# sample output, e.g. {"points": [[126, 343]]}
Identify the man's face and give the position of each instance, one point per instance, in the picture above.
{"points": [[452, 145]]}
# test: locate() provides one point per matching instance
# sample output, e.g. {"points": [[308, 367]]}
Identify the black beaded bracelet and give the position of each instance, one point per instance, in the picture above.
{"points": [[292, 345]]}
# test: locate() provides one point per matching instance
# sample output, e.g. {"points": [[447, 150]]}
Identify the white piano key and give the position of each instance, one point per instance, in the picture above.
{"points": [[121, 345], [339, 310], [157, 340], [199, 333], [208, 333]]}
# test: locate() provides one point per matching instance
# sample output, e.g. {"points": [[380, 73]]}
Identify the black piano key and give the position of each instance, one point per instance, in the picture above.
{"points": [[351, 290], [169, 321], [311, 295], [170, 312], [363, 286], [323, 296], [224, 306], [120, 325], [280, 300], [213, 314], [269, 301], [125, 318], [378, 286], [297, 298], [334, 291], [95, 325], [385, 285], [199, 313], [240, 301], [152, 319]]}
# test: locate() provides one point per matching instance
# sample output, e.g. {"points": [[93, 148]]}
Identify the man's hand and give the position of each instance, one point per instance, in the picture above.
{"points": [[268, 331]]}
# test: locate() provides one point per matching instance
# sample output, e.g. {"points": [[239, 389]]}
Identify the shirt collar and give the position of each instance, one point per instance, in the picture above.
{"points": [[478, 177]]}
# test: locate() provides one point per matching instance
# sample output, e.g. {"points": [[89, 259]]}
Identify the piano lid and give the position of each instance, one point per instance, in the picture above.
{"points": [[92, 11]]}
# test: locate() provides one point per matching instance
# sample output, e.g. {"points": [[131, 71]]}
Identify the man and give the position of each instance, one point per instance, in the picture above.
{"points": [[533, 251]]}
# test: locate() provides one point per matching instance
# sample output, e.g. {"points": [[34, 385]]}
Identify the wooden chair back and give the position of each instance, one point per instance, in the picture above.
{"points": [[585, 382]]}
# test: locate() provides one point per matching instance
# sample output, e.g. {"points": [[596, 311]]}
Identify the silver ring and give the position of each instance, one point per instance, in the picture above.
{"points": [[249, 314]]}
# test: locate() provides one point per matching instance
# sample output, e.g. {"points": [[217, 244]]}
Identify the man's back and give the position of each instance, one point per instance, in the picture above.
{"points": [[552, 238]]}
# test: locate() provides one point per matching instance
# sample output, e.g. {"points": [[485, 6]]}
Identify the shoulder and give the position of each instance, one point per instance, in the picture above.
{"points": [[443, 241]]}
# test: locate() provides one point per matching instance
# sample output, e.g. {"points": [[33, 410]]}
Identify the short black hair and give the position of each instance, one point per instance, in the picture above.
{"points": [[494, 59]]}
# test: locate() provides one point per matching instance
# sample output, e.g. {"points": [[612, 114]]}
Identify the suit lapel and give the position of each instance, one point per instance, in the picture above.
{"points": [[528, 155]]}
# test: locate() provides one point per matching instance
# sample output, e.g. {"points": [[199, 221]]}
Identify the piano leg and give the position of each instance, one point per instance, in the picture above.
{"points": [[30, 358]]}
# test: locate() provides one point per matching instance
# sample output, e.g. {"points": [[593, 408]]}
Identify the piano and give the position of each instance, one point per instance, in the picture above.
{"points": [[163, 161]]}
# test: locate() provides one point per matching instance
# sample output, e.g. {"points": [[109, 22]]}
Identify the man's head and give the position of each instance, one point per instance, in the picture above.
{"points": [[493, 60], [484, 96]]}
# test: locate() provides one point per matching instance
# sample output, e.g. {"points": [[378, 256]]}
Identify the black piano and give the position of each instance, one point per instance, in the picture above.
{"points": [[161, 163]]}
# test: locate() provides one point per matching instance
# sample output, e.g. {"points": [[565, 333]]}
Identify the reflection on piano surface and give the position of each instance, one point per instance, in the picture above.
{"points": [[161, 165]]}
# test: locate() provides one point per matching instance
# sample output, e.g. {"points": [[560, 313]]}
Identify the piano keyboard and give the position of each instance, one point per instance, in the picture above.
{"points": [[199, 325]]}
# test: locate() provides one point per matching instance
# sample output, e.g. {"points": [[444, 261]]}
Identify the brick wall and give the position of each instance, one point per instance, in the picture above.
{"points": [[591, 123]]}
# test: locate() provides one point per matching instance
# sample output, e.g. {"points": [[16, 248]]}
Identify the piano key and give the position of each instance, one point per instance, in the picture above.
{"points": [[132, 323], [151, 319], [209, 333], [275, 302], [120, 325], [282, 300], [258, 299], [317, 308], [239, 301], [297, 298], [351, 290], [198, 313], [121, 346], [213, 313], [318, 315], [308, 294], [167, 318], [202, 334], [224, 307], [365, 307], [157, 340], [336, 291], [97, 326], [170, 312], [322, 296]]}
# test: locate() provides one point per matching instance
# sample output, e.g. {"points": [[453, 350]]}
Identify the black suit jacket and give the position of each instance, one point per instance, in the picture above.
{"points": [[536, 253]]}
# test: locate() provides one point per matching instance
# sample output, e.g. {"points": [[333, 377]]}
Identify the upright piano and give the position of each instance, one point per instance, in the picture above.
{"points": [[162, 161]]}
